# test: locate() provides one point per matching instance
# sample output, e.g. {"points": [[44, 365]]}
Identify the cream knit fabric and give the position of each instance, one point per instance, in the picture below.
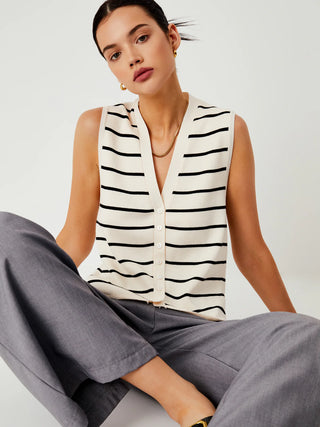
{"points": [[170, 248]]}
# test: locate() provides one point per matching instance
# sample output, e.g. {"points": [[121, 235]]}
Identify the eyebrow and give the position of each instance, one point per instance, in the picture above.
{"points": [[132, 31]]}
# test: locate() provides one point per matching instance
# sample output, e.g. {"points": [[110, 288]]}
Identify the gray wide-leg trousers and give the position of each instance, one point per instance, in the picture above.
{"points": [[69, 344]]}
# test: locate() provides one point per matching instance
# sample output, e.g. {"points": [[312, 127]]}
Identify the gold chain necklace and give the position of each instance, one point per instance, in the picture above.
{"points": [[162, 155]]}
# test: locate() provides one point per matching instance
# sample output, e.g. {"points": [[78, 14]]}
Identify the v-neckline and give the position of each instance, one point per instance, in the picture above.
{"points": [[162, 199]]}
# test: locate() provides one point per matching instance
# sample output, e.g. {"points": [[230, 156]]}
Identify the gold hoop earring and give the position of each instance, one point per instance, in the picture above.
{"points": [[175, 53], [122, 86]]}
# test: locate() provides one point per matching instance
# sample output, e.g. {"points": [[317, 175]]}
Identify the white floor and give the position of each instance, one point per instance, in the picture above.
{"points": [[19, 408]]}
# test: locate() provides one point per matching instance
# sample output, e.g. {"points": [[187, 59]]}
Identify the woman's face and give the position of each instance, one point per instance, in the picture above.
{"points": [[146, 47]]}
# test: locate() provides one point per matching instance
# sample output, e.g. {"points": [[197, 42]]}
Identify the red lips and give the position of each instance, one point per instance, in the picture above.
{"points": [[140, 71]]}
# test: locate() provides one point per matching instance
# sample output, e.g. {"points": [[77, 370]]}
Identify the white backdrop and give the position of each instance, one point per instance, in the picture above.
{"points": [[261, 59]]}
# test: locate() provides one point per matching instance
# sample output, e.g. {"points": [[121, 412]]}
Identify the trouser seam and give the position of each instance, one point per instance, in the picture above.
{"points": [[209, 355]]}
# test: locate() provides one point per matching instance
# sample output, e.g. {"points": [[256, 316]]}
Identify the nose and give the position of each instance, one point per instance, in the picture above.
{"points": [[135, 61]]}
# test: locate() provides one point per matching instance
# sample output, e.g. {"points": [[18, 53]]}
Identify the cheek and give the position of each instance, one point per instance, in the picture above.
{"points": [[161, 53], [117, 69], [118, 75]]}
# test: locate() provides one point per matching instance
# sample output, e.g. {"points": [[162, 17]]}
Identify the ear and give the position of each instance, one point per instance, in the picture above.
{"points": [[174, 36]]}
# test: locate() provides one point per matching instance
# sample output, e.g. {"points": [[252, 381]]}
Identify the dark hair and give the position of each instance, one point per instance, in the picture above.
{"points": [[151, 8]]}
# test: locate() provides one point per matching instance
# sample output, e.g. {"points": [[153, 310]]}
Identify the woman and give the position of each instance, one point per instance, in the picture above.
{"points": [[159, 176]]}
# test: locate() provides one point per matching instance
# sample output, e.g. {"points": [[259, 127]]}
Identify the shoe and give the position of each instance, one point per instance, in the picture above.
{"points": [[202, 423]]}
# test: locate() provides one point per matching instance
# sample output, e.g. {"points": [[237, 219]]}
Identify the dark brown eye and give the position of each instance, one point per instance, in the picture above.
{"points": [[113, 56], [142, 36]]}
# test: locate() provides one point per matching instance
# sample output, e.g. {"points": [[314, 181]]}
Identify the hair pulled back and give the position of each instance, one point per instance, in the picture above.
{"points": [[151, 8]]}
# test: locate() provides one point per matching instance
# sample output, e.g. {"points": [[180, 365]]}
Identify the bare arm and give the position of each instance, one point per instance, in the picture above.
{"points": [[78, 233], [249, 249]]}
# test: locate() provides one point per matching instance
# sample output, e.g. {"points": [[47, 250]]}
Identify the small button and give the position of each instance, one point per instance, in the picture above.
{"points": [[159, 245], [159, 261], [159, 227], [160, 211], [159, 277]]}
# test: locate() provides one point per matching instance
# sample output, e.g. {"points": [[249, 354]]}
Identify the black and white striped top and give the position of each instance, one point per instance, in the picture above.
{"points": [[169, 248]]}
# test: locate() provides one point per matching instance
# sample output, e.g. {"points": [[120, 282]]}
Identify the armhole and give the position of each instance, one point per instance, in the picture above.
{"points": [[101, 133], [231, 141]]}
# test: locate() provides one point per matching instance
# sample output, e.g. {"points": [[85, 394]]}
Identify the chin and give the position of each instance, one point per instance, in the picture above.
{"points": [[152, 91]]}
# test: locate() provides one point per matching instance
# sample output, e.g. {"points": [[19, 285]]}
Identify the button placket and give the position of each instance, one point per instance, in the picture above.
{"points": [[161, 201], [159, 253]]}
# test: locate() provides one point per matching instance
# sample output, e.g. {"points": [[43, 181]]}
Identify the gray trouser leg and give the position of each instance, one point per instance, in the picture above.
{"points": [[279, 383], [64, 339], [57, 333], [259, 371]]}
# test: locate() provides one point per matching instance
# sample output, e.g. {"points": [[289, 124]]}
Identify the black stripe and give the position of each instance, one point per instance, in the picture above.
{"points": [[205, 107], [106, 256], [122, 135], [120, 208], [205, 227], [122, 227], [195, 263], [143, 292], [117, 105], [187, 294], [120, 261], [204, 190], [142, 193], [202, 172], [122, 116], [99, 281], [131, 245], [122, 172], [130, 290], [202, 279], [125, 275], [196, 209], [211, 115], [199, 245], [136, 262], [121, 153], [202, 135], [209, 308], [218, 150]]}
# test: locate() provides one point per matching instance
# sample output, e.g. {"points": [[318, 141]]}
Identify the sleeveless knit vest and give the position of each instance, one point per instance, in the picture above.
{"points": [[169, 248]]}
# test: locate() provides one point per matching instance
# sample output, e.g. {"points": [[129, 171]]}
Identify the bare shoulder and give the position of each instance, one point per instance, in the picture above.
{"points": [[242, 147], [89, 120], [87, 132], [240, 126]]}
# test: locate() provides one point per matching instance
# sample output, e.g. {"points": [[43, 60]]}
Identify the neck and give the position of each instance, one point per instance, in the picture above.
{"points": [[163, 112]]}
